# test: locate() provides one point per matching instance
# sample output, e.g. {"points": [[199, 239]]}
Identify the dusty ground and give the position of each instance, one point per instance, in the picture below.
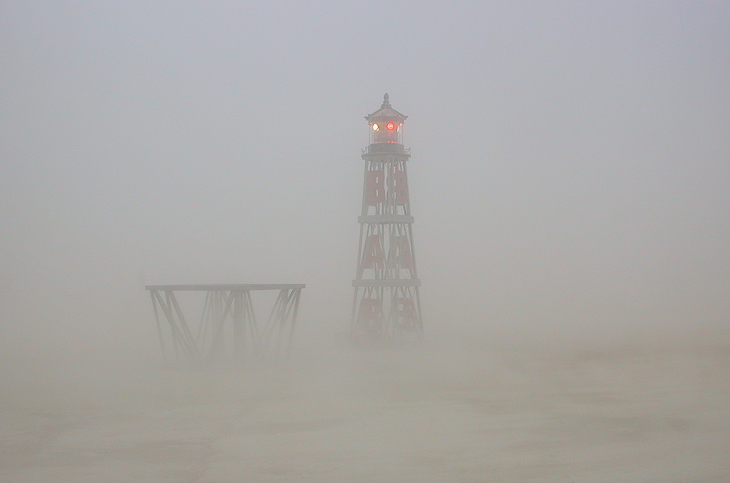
{"points": [[459, 411]]}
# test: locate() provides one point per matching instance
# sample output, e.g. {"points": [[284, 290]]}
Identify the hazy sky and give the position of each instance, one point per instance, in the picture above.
{"points": [[570, 160]]}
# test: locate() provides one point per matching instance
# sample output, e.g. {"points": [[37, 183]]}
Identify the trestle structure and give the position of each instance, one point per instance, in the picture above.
{"points": [[386, 302], [227, 328]]}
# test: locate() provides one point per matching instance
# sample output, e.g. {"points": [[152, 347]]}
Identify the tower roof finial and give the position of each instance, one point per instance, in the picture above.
{"points": [[386, 113]]}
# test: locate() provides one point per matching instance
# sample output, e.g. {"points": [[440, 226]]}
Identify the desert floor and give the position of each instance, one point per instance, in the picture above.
{"points": [[459, 410]]}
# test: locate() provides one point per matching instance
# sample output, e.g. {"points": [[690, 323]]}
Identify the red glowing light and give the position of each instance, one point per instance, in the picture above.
{"points": [[390, 126]]}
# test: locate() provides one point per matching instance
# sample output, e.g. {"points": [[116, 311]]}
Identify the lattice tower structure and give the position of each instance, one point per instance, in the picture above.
{"points": [[386, 302]]}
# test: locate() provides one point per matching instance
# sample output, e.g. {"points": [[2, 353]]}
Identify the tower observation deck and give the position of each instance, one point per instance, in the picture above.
{"points": [[386, 302]]}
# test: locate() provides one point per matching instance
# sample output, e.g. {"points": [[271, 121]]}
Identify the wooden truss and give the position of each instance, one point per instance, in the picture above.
{"points": [[228, 327]]}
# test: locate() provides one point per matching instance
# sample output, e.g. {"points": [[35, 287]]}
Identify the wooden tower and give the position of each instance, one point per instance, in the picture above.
{"points": [[386, 303]]}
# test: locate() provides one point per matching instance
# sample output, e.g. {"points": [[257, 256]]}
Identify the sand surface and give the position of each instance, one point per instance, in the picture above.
{"points": [[466, 410]]}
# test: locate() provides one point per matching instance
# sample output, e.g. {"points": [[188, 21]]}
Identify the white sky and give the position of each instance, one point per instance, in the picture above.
{"points": [[570, 169]]}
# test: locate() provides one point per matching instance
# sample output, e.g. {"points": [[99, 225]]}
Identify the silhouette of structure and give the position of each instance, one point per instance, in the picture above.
{"points": [[386, 303], [228, 328]]}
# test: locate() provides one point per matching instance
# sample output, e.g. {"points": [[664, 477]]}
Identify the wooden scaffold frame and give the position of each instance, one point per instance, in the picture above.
{"points": [[228, 328]]}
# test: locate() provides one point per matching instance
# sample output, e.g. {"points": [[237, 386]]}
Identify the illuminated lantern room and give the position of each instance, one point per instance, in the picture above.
{"points": [[386, 128]]}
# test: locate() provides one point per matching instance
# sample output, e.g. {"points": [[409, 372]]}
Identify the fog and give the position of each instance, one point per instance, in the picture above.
{"points": [[570, 185]]}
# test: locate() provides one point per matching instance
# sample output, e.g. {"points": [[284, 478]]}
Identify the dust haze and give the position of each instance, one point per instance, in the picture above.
{"points": [[570, 186]]}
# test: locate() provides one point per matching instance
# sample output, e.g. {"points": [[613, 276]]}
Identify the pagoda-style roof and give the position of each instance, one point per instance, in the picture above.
{"points": [[386, 112]]}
